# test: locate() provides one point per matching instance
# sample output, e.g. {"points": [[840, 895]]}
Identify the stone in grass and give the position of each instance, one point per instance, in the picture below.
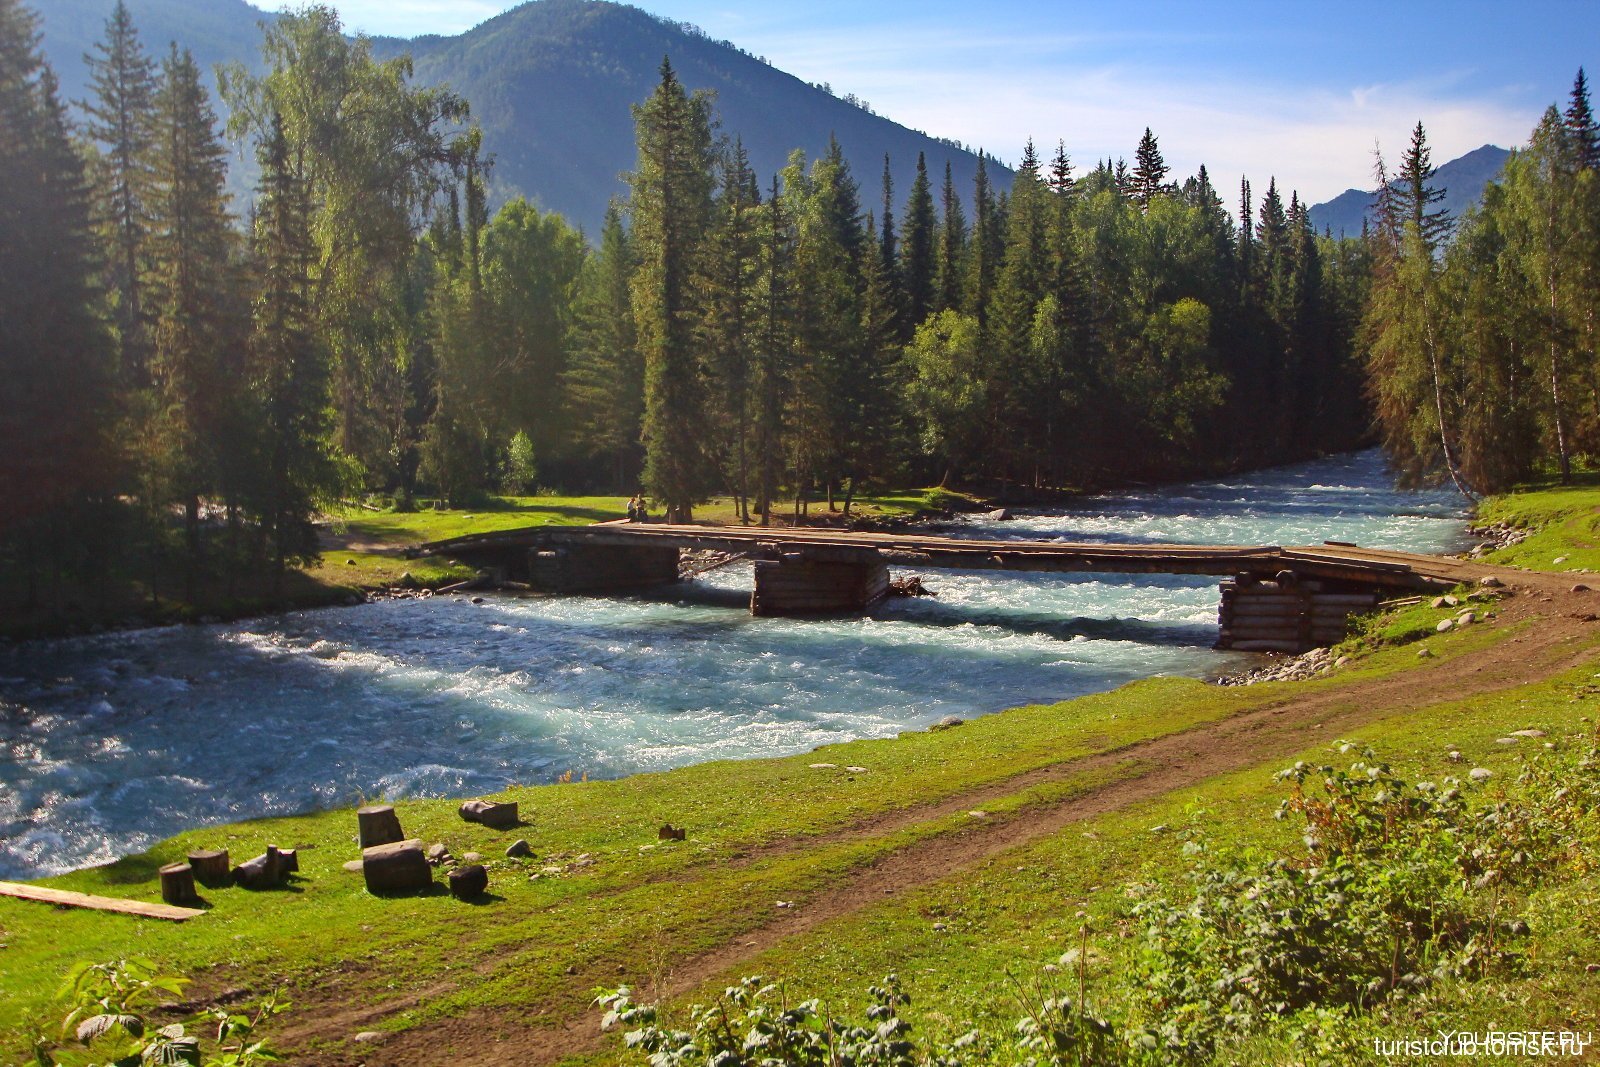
{"points": [[1466, 618], [947, 722], [1527, 733], [366, 1037], [1490, 582], [1444, 625], [398, 867], [438, 854], [493, 814], [469, 883], [1506, 740], [1424, 653], [1480, 774], [519, 849], [471, 857]]}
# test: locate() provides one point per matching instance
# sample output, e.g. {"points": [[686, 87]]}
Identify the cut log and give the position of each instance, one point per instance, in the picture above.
{"points": [[379, 825], [211, 867], [490, 813], [266, 871], [177, 884], [396, 867], [290, 858], [469, 883]]}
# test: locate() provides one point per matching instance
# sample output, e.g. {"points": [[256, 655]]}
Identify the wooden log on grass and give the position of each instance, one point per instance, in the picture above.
{"points": [[493, 814], [266, 871], [177, 884], [379, 825], [211, 867]]}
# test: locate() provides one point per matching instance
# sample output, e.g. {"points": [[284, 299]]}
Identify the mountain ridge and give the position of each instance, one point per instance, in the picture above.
{"points": [[1462, 179], [552, 83]]}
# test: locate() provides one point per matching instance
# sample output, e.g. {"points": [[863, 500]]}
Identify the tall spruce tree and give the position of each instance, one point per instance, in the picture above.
{"points": [[773, 377], [289, 369], [55, 358], [605, 375], [1149, 170], [195, 301], [671, 210], [727, 327], [983, 247], [121, 117], [952, 248], [918, 256]]}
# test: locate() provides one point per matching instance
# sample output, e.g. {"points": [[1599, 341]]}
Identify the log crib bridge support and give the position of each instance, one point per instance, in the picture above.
{"points": [[1274, 599]]}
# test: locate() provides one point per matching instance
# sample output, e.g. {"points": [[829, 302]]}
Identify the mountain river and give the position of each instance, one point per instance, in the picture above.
{"points": [[109, 743]]}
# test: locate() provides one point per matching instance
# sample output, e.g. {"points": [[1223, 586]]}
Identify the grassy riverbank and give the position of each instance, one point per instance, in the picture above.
{"points": [[966, 860], [952, 857]]}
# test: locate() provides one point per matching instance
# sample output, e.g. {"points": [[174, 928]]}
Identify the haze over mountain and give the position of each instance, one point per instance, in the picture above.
{"points": [[1462, 180], [551, 83]]}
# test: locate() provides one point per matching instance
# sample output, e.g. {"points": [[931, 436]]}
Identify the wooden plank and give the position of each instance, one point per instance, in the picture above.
{"points": [[144, 909]]}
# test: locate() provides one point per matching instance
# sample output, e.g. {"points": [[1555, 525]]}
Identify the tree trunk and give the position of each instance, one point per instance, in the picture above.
{"points": [[210, 867]]}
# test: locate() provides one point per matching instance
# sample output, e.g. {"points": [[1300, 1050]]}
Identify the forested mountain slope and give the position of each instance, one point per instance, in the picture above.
{"points": [[552, 83]]}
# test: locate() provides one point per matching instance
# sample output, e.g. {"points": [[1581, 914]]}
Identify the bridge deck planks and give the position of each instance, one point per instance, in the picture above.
{"points": [[1372, 566]]}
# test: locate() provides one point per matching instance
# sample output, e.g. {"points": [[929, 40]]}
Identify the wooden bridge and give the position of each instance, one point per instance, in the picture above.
{"points": [[1275, 598]]}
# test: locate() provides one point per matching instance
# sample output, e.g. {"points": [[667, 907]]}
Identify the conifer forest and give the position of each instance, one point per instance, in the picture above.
{"points": [[189, 377]]}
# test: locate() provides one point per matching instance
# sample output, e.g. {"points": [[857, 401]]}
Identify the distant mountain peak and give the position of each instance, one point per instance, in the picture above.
{"points": [[552, 83], [1462, 179]]}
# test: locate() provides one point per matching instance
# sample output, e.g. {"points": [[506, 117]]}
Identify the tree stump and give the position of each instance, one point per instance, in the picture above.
{"points": [[177, 884], [397, 867], [668, 832], [290, 859], [266, 871], [379, 825], [210, 867], [469, 883], [490, 813]]}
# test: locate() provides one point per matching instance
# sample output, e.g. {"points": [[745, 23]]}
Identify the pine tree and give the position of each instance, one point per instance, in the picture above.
{"points": [[121, 115], [289, 371], [1415, 197], [983, 244], [1411, 385], [1149, 171], [1583, 132], [773, 378], [55, 358], [605, 378], [952, 248], [671, 210], [726, 330], [917, 242], [195, 298]]}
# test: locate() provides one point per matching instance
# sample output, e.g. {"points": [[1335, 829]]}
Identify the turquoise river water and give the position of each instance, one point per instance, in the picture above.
{"points": [[111, 742]]}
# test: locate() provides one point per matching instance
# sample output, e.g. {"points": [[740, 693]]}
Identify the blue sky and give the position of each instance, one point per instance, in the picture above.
{"points": [[1296, 89]]}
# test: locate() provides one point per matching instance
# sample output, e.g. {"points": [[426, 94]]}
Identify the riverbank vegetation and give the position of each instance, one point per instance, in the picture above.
{"points": [[195, 376], [1049, 815]]}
